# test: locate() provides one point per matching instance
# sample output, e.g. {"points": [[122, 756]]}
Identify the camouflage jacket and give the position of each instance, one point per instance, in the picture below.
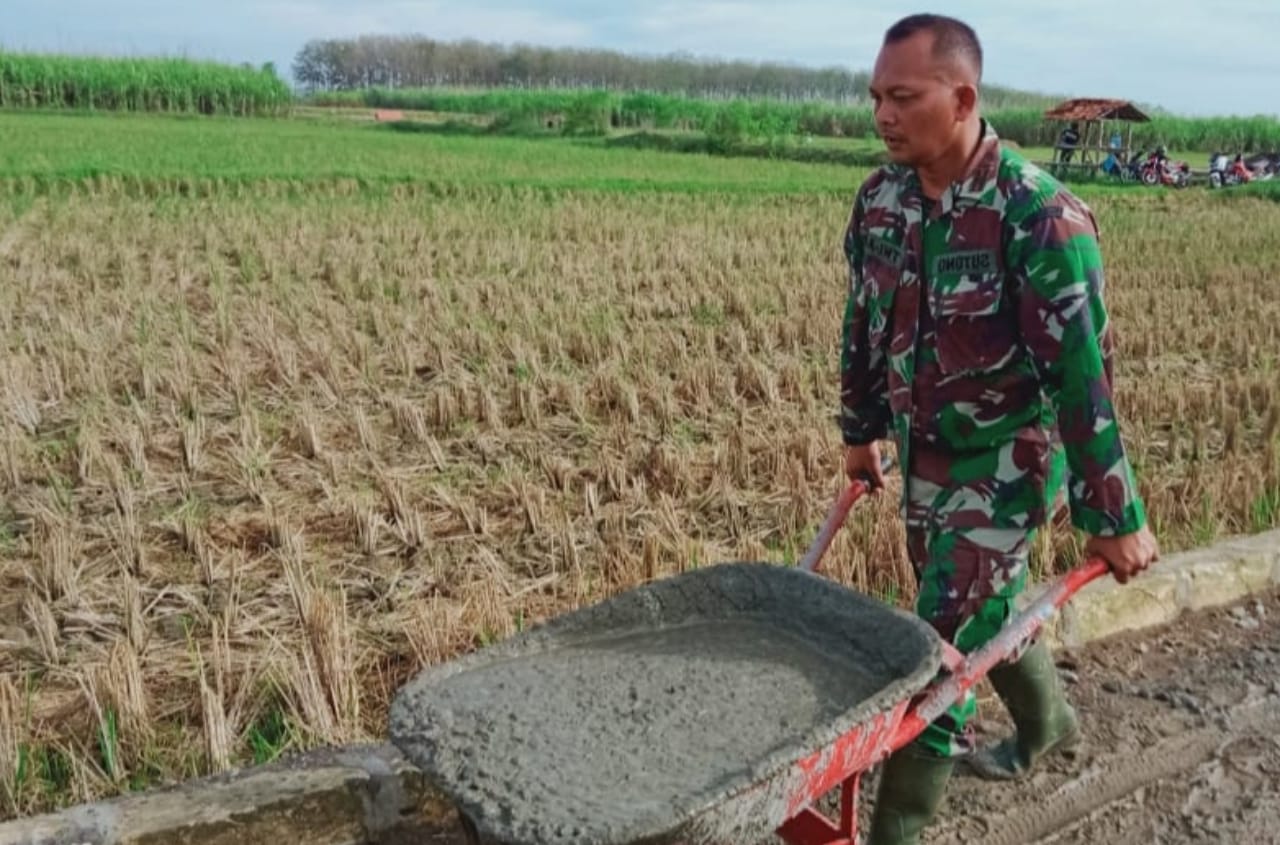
{"points": [[976, 328]]}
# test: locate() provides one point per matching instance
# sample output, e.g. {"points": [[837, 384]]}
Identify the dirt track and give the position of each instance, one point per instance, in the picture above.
{"points": [[1184, 743]]}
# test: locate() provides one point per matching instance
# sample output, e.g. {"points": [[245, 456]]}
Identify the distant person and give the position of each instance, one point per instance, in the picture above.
{"points": [[976, 336], [1112, 166], [1067, 142], [1240, 169], [1158, 161]]}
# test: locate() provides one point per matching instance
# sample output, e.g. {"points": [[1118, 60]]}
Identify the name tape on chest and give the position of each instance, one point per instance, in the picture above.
{"points": [[884, 251], [974, 262]]}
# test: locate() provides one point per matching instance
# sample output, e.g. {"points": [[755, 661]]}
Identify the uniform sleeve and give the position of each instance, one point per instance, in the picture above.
{"points": [[1057, 267], [864, 398]]}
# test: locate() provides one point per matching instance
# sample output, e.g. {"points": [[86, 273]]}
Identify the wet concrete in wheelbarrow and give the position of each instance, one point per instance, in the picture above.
{"points": [[628, 721], [1181, 726]]}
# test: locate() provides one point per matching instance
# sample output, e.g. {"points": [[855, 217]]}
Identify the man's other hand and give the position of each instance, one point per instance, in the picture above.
{"points": [[863, 462], [1128, 554]]}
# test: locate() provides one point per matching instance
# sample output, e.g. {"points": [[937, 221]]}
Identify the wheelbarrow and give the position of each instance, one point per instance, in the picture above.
{"points": [[715, 706]]}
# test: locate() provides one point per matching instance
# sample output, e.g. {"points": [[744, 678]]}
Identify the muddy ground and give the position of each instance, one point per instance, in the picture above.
{"points": [[1183, 728], [1183, 745]]}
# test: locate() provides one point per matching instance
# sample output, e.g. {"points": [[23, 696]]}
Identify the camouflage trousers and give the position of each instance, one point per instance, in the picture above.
{"points": [[968, 576], [968, 581]]}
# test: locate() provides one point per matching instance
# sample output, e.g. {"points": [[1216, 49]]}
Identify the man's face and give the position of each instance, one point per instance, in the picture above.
{"points": [[919, 108]]}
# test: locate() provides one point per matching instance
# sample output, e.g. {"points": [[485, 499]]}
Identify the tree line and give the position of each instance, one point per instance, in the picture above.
{"points": [[415, 61]]}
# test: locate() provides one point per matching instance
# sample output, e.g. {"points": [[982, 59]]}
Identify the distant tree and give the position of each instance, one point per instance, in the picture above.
{"points": [[308, 67]]}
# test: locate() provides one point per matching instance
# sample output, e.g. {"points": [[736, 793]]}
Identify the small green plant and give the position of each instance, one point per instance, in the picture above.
{"points": [[145, 775], [55, 770], [790, 548], [708, 314], [689, 433], [8, 535], [63, 491], [109, 744], [270, 735], [1265, 511], [1205, 527], [891, 595], [13, 791]]}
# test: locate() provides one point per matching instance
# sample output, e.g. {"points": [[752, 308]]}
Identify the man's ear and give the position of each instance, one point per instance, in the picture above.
{"points": [[966, 101]]}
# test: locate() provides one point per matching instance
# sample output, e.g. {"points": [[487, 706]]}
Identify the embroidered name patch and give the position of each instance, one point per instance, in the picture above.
{"points": [[882, 250], [971, 263]]}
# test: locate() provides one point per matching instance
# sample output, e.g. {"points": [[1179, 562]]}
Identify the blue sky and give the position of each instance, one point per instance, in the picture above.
{"points": [[1189, 57]]}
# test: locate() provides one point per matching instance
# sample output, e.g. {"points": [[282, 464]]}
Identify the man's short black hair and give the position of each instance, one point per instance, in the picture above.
{"points": [[951, 38]]}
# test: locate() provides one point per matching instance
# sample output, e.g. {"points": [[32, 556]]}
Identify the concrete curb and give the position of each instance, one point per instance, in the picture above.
{"points": [[347, 796], [1220, 574], [371, 796]]}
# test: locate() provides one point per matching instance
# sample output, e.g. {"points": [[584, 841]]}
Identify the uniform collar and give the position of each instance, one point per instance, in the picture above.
{"points": [[977, 182], [980, 179]]}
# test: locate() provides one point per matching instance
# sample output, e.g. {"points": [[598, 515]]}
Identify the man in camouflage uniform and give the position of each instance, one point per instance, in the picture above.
{"points": [[976, 335]]}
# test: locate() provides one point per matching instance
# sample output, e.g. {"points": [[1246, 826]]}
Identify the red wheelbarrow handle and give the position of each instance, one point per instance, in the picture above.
{"points": [[835, 517], [965, 671]]}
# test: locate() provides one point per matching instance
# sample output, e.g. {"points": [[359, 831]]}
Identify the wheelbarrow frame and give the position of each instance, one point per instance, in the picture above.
{"points": [[851, 755]]}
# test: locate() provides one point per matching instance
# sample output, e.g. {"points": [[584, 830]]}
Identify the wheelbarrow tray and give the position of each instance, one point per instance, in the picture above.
{"points": [[701, 708]]}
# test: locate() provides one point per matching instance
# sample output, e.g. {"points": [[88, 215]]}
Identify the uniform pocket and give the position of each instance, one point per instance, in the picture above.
{"points": [[975, 332]]}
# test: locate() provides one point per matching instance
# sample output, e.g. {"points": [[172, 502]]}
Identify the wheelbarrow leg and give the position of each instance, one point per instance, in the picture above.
{"points": [[849, 807], [812, 828], [469, 831]]}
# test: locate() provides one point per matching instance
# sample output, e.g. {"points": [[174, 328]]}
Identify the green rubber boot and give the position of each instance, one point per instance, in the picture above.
{"points": [[912, 784], [1045, 721]]}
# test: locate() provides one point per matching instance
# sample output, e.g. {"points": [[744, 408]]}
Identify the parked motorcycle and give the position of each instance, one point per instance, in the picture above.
{"points": [[1223, 173], [1158, 170]]}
